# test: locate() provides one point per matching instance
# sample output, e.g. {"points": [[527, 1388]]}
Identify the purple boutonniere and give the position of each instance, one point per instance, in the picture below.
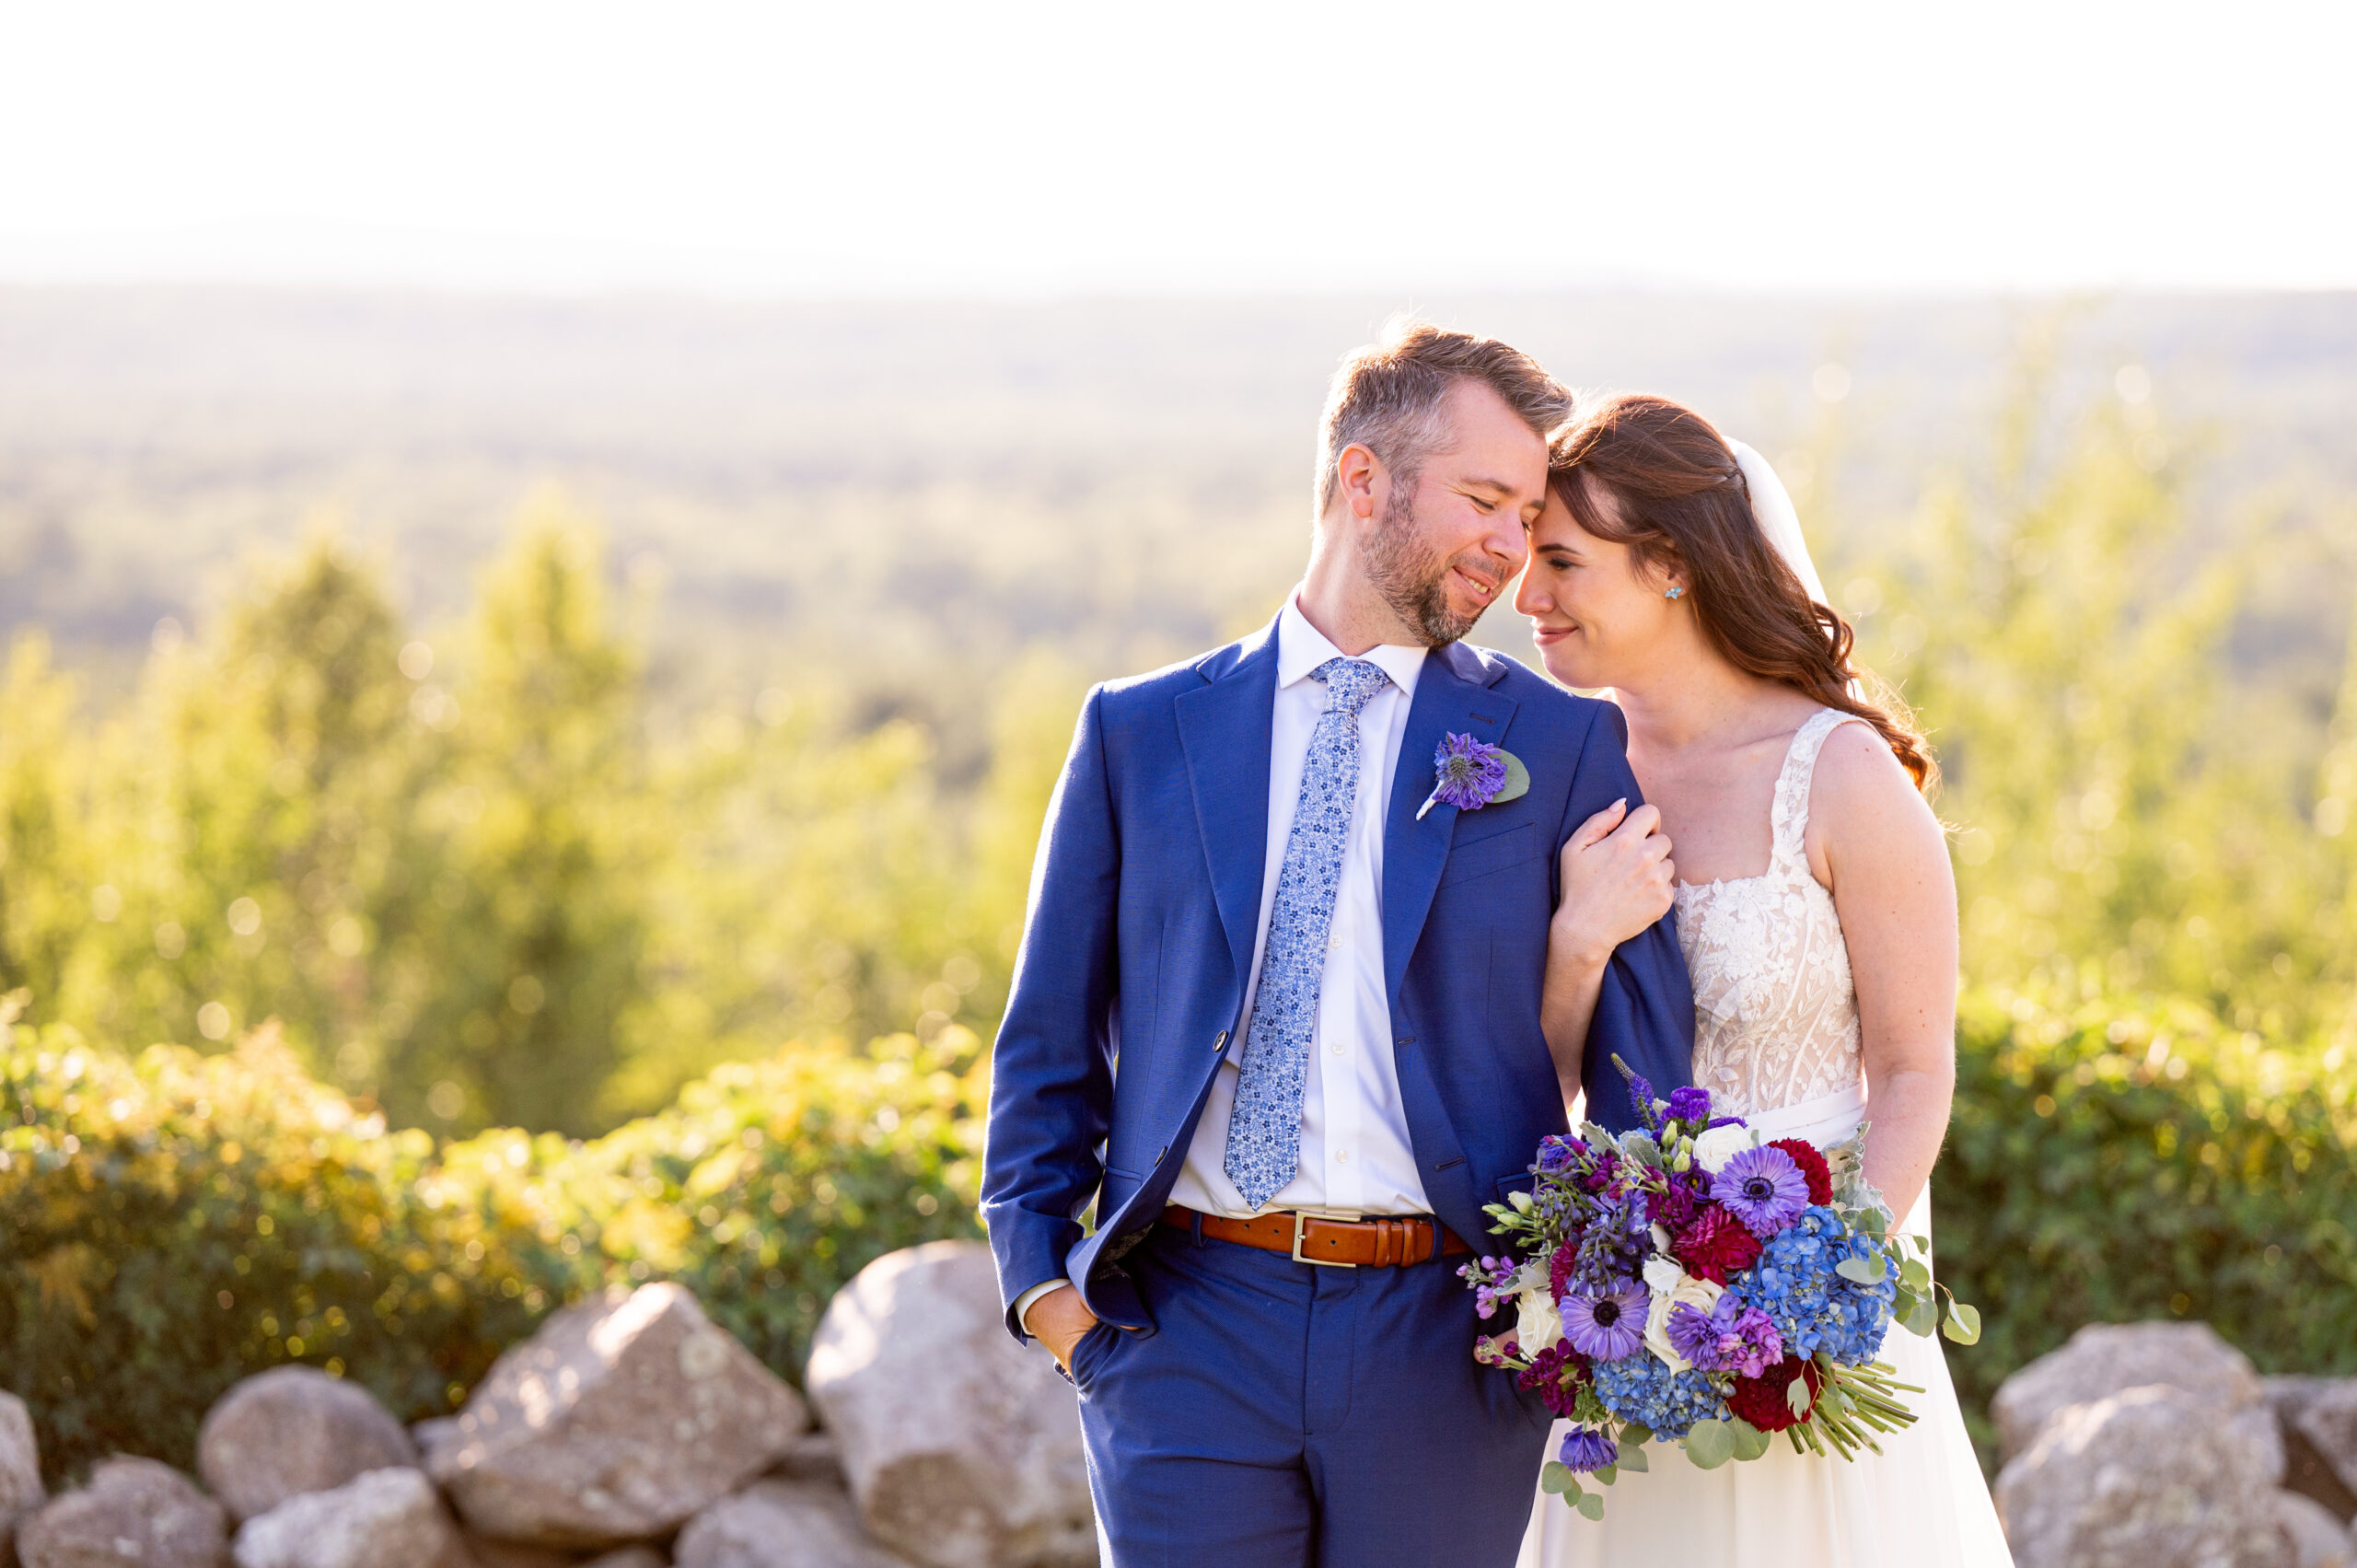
{"points": [[1474, 773]]}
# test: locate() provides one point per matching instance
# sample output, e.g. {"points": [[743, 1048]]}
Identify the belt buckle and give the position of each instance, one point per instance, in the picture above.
{"points": [[1301, 1218]]}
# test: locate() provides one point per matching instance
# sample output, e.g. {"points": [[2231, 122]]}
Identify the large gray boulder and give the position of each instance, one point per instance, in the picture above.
{"points": [[20, 1488], [2147, 1478], [2103, 1359], [621, 1419], [2316, 1538], [781, 1524], [962, 1447], [385, 1519], [292, 1430], [134, 1514]]}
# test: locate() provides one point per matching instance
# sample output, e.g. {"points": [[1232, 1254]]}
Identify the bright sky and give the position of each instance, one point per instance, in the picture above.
{"points": [[971, 148]]}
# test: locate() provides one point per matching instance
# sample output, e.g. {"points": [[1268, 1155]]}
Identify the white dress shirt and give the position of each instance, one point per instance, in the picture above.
{"points": [[1355, 1155]]}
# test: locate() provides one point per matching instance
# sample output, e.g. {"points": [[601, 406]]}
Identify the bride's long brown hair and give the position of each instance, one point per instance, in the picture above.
{"points": [[1682, 502]]}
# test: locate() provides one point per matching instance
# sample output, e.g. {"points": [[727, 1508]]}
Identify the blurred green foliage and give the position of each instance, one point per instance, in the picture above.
{"points": [[2112, 1163], [479, 882], [173, 1223]]}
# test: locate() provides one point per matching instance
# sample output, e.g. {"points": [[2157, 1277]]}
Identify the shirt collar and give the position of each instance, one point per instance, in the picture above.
{"points": [[1302, 648]]}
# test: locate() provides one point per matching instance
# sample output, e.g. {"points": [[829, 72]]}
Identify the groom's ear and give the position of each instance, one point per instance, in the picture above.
{"points": [[1360, 480]]}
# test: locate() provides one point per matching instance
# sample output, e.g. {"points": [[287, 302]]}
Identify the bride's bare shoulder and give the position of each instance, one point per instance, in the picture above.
{"points": [[1864, 810]]}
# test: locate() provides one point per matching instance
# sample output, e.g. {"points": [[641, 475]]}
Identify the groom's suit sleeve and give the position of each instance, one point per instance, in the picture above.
{"points": [[1645, 1013], [1051, 1073]]}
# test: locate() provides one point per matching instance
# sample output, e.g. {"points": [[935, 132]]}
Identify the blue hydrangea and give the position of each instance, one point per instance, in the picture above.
{"points": [[1814, 1308], [1642, 1388]]}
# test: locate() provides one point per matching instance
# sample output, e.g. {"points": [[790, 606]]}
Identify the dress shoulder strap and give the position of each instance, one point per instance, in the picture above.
{"points": [[1788, 818]]}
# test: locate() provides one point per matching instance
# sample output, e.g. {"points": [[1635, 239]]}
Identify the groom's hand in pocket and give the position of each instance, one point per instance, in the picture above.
{"points": [[1057, 1321]]}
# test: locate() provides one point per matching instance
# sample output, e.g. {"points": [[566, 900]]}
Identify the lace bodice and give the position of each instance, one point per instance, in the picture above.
{"points": [[1776, 1013]]}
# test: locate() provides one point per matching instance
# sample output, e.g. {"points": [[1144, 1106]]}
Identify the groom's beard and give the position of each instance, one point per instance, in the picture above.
{"points": [[1412, 580]]}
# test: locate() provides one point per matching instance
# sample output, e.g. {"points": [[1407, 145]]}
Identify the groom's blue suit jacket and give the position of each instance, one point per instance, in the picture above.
{"points": [[1144, 910]]}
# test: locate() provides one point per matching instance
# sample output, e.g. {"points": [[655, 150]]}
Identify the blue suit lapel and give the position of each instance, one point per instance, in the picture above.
{"points": [[1453, 695], [1224, 728]]}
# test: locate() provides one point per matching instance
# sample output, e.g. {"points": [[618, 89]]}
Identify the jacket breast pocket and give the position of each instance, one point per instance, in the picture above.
{"points": [[1486, 857]]}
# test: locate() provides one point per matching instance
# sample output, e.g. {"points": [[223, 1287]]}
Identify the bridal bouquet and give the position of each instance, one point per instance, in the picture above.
{"points": [[1691, 1282]]}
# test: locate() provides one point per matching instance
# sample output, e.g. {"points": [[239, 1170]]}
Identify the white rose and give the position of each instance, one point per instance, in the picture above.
{"points": [[1672, 1287], [1715, 1148], [1536, 1323]]}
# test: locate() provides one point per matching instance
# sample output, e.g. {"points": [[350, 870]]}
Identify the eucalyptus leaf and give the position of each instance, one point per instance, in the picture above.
{"points": [[1860, 1270], [1915, 1273], [1709, 1444], [1518, 783], [1750, 1443], [1631, 1459], [1636, 1434], [1556, 1478], [1603, 1477], [1963, 1325], [1591, 1505], [1921, 1319], [1796, 1397]]}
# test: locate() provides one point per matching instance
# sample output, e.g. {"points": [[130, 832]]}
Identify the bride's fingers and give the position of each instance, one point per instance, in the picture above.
{"points": [[1599, 828]]}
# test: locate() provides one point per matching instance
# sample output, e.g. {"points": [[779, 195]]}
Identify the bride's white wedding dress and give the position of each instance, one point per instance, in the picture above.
{"points": [[1776, 1041]]}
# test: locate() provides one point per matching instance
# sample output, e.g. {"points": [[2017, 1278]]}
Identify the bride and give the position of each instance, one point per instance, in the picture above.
{"points": [[1817, 915]]}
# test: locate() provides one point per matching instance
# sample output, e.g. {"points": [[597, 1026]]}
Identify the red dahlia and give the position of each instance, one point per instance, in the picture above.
{"points": [[1806, 1155], [1557, 1373], [1716, 1247], [1766, 1401]]}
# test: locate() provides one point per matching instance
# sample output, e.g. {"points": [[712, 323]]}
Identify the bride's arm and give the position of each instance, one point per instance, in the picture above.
{"points": [[1874, 840], [1616, 883]]}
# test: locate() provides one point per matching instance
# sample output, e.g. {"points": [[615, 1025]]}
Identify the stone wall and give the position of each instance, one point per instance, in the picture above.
{"points": [[631, 1433]]}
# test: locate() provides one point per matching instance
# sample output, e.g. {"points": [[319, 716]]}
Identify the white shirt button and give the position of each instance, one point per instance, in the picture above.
{"points": [[1334, 943], [1342, 1157], [1337, 1049]]}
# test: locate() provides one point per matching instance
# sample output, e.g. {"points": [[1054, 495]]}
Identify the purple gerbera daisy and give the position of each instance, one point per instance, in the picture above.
{"points": [[1587, 1449], [1763, 1187], [1608, 1325]]}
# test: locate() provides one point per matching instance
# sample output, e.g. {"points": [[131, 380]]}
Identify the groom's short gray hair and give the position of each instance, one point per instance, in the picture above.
{"points": [[1387, 397]]}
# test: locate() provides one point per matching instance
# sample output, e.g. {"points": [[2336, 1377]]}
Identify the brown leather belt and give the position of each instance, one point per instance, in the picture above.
{"points": [[1341, 1241]]}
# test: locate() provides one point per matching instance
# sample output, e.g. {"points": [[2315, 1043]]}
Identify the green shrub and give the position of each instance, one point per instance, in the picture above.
{"points": [[2113, 1164], [172, 1223]]}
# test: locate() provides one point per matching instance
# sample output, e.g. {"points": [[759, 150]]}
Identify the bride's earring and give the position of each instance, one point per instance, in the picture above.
{"points": [[1675, 592]]}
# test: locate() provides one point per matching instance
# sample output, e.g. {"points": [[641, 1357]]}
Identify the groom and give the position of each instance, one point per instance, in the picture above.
{"points": [[1280, 1022]]}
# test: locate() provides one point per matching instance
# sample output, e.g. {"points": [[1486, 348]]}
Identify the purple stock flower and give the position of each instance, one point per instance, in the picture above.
{"points": [[1607, 1326], [1731, 1337], [1689, 1104], [1587, 1449], [1471, 773], [1493, 1281], [1763, 1187]]}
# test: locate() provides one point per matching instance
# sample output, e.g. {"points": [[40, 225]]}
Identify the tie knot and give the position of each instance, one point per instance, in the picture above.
{"points": [[1354, 682]]}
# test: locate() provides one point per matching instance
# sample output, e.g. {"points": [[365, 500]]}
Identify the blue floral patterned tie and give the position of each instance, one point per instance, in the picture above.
{"points": [[1264, 1131]]}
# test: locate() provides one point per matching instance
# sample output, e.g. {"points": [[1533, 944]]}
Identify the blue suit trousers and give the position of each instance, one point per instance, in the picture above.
{"points": [[1283, 1415]]}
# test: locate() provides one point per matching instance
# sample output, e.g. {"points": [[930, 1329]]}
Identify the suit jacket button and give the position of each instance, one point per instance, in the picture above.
{"points": [[1221, 1043]]}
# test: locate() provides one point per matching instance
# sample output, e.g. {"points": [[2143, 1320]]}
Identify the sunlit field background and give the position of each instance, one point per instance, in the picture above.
{"points": [[506, 788]]}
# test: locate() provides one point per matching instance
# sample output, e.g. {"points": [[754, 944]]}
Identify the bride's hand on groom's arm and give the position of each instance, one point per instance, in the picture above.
{"points": [[1617, 874], [1057, 1321]]}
